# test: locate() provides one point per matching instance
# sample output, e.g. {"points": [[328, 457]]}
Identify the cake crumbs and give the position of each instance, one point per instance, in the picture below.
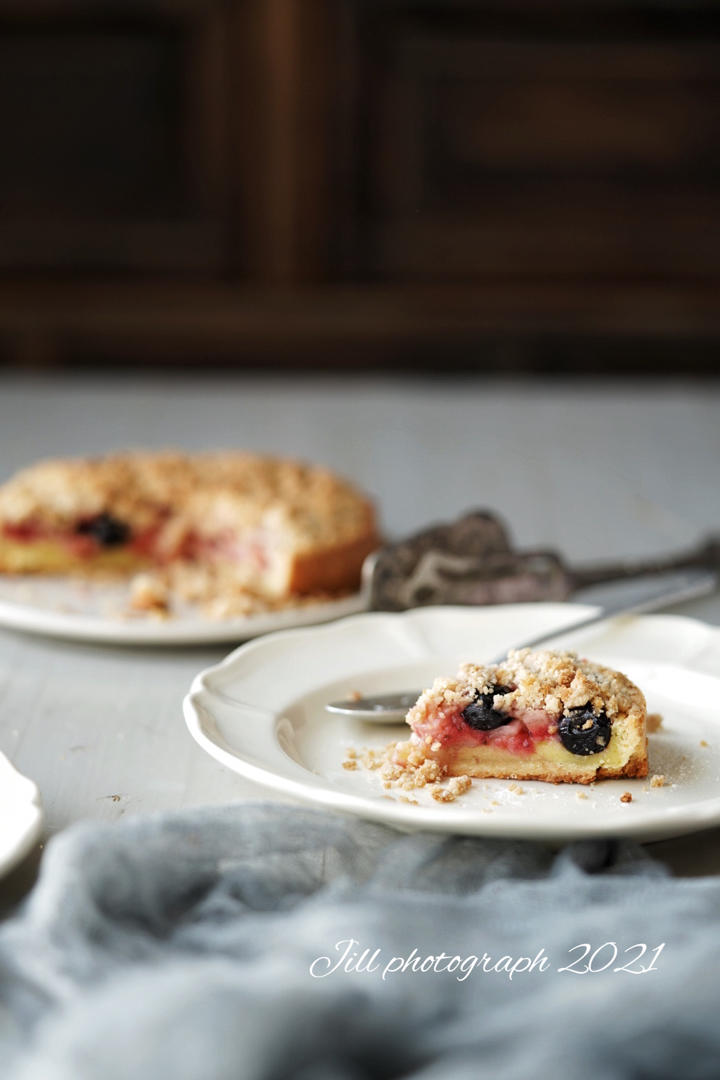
{"points": [[657, 780], [703, 743], [582, 795], [516, 789], [149, 593], [458, 785], [405, 766], [626, 797], [653, 722]]}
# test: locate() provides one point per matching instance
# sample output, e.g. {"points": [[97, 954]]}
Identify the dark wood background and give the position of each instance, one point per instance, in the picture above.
{"points": [[497, 185]]}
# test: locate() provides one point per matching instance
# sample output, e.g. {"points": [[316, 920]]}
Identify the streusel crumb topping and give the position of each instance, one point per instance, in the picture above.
{"points": [[211, 490], [553, 681]]}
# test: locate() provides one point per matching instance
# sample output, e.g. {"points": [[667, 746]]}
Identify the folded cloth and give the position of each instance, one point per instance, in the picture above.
{"points": [[269, 941]]}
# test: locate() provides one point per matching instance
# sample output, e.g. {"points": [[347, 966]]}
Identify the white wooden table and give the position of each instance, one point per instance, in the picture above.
{"points": [[598, 470]]}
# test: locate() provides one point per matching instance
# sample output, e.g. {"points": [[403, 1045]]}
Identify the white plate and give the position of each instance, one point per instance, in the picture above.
{"points": [[20, 815], [260, 713], [93, 611]]}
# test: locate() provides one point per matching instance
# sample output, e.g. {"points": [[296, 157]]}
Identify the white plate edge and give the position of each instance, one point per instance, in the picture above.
{"points": [[175, 630], [31, 832]]}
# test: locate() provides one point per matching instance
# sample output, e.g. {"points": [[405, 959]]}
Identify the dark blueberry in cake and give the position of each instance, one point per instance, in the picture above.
{"points": [[480, 714], [584, 732], [106, 529]]}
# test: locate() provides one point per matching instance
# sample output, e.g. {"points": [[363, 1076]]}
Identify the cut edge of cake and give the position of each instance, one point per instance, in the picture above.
{"points": [[536, 716]]}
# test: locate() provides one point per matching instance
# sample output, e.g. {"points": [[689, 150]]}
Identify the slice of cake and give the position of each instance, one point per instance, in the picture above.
{"points": [[277, 527], [535, 716]]}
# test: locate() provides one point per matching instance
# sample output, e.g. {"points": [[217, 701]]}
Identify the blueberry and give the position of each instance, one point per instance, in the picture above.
{"points": [[584, 732], [107, 530], [481, 715]]}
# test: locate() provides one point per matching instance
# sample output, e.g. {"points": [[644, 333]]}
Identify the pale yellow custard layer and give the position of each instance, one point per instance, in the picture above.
{"points": [[53, 557]]}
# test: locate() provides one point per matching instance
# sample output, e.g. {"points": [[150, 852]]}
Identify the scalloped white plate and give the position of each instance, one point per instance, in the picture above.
{"points": [[260, 712], [95, 611], [20, 815]]}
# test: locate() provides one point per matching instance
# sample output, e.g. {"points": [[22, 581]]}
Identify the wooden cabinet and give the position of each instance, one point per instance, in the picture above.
{"points": [[113, 125], [494, 156], [358, 181]]}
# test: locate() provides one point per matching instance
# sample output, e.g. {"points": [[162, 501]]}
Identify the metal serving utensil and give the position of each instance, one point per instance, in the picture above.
{"points": [[473, 561], [391, 708]]}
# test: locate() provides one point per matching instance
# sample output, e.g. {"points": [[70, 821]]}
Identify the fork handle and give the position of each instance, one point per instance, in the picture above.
{"points": [[694, 584], [706, 556]]}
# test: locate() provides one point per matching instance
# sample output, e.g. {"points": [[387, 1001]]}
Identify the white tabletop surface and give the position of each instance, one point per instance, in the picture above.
{"points": [[596, 469]]}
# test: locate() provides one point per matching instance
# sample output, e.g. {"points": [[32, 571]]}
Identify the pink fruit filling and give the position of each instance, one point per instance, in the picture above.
{"points": [[150, 544], [228, 546], [527, 728], [24, 532], [80, 545]]}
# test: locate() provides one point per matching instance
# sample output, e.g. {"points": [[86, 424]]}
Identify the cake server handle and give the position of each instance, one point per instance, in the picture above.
{"points": [[391, 708], [705, 556]]}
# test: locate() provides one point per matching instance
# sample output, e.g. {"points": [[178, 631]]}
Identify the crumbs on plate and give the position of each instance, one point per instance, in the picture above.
{"points": [[405, 767], [457, 785]]}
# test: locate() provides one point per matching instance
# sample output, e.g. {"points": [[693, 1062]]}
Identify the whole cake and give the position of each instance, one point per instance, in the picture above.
{"points": [[536, 716], [279, 528]]}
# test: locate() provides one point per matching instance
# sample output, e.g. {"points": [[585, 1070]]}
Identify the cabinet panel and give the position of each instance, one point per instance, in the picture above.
{"points": [[489, 153], [112, 139]]}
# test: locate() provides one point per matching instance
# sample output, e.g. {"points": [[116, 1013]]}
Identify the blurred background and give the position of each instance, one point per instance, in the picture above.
{"points": [[492, 186]]}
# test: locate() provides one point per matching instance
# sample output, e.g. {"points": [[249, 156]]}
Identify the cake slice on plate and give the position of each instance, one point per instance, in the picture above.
{"points": [[535, 716]]}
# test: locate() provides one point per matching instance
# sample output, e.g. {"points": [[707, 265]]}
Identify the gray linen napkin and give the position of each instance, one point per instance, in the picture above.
{"points": [[208, 945]]}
